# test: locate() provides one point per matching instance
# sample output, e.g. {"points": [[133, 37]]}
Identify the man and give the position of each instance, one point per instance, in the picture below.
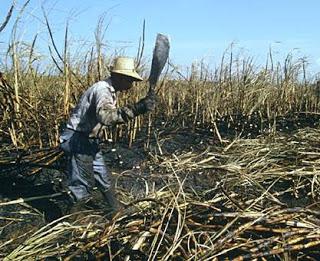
{"points": [[95, 109]]}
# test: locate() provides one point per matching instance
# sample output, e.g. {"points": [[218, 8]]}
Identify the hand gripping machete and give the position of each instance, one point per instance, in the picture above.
{"points": [[159, 59]]}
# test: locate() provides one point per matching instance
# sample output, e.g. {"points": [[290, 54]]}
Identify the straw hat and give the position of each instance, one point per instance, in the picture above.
{"points": [[125, 66]]}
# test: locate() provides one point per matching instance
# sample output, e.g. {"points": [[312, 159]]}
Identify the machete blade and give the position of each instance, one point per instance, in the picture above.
{"points": [[159, 59]]}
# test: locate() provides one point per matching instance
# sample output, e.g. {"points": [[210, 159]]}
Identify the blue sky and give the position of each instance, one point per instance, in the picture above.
{"points": [[199, 29]]}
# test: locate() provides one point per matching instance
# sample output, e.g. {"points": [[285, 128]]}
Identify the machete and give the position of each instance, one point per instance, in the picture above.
{"points": [[159, 59]]}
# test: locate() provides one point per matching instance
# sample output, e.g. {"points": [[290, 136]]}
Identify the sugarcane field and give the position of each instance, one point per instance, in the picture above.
{"points": [[106, 155]]}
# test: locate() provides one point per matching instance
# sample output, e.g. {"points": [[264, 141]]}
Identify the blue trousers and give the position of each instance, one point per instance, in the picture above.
{"points": [[86, 166]]}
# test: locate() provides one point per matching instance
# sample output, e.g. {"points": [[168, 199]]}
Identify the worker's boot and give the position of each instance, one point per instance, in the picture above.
{"points": [[111, 200], [74, 205], [68, 202], [78, 206]]}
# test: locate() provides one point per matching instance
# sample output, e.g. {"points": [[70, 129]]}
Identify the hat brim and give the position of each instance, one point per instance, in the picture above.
{"points": [[131, 74]]}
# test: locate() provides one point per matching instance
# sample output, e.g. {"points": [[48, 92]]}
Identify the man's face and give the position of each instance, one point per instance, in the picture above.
{"points": [[122, 82]]}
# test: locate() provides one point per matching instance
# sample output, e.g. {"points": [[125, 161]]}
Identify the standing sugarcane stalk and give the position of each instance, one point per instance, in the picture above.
{"points": [[66, 74], [66, 89], [317, 95], [7, 107]]}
